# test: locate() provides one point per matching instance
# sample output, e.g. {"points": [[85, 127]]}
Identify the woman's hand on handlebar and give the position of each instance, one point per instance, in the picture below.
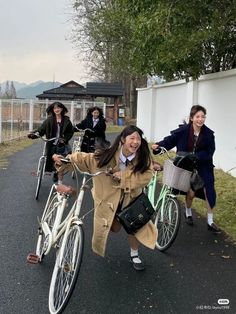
{"points": [[33, 136], [57, 159], [155, 146], [156, 166]]}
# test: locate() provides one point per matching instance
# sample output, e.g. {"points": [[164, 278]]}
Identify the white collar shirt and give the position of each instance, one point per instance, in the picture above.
{"points": [[123, 160]]}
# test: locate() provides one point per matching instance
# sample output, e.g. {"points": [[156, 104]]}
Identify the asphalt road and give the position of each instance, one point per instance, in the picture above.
{"points": [[197, 271]]}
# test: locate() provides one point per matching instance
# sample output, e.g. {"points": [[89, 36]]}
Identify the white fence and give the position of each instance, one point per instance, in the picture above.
{"points": [[18, 117], [163, 107]]}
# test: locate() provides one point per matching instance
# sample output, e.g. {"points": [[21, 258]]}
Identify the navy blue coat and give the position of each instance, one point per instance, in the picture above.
{"points": [[204, 154], [89, 140]]}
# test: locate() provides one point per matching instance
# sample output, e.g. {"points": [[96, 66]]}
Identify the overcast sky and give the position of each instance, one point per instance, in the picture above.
{"points": [[33, 42]]}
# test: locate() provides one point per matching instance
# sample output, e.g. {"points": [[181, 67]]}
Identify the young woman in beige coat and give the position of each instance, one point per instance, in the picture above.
{"points": [[130, 163]]}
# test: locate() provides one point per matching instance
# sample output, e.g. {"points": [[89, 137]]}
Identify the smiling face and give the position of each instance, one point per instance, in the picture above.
{"points": [[198, 119], [131, 144], [57, 110], [95, 114]]}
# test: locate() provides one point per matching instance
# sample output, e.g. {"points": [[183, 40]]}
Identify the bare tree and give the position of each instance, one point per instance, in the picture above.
{"points": [[12, 90]]}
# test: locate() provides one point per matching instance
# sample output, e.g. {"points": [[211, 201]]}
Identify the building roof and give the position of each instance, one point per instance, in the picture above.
{"points": [[72, 90], [104, 89]]}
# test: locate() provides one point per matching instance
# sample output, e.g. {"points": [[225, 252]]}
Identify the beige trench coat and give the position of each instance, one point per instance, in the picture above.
{"points": [[107, 193]]}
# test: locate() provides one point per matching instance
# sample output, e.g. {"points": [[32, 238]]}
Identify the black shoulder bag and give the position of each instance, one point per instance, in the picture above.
{"points": [[136, 214]]}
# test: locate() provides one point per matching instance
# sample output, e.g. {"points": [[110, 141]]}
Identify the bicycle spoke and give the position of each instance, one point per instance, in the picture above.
{"points": [[65, 274], [167, 222]]}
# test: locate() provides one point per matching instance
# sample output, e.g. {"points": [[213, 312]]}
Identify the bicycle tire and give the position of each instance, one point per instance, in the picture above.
{"points": [[64, 277], [169, 226], [40, 177], [49, 216]]}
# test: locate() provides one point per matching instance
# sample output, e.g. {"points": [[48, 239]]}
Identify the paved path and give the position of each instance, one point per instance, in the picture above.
{"points": [[190, 277]]}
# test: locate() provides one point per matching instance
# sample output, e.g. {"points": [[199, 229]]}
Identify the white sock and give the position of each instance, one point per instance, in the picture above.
{"points": [[209, 218], [135, 253], [188, 211], [59, 182]]}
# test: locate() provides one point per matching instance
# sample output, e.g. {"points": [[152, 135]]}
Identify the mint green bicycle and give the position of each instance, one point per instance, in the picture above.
{"points": [[168, 211]]}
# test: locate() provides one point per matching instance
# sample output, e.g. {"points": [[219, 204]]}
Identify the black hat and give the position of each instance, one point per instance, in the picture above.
{"points": [[58, 104]]}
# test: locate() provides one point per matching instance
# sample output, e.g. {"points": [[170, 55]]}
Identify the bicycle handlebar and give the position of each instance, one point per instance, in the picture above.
{"points": [[45, 139], [84, 130], [162, 150], [107, 171]]}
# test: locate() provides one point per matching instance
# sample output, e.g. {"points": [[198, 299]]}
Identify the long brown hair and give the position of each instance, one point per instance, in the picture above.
{"points": [[143, 153]]}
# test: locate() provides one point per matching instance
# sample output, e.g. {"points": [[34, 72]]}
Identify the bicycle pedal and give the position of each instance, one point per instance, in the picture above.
{"points": [[33, 258]]}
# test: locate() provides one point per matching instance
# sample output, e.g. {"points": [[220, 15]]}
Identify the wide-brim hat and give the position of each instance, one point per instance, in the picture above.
{"points": [[56, 103]]}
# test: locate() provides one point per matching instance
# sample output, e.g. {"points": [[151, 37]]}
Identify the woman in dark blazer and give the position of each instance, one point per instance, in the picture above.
{"points": [[58, 125], [197, 138], [96, 122]]}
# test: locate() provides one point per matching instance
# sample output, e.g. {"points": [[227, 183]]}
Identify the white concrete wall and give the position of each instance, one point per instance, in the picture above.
{"points": [[162, 108]]}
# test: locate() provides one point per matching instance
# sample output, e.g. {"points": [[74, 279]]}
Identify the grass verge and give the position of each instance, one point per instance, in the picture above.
{"points": [[9, 148]]}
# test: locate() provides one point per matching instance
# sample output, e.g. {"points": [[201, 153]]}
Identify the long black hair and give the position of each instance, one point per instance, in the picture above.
{"points": [[92, 109], [143, 153]]}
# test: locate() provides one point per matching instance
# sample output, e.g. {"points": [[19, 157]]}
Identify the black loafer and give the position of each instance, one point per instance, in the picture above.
{"points": [[188, 220], [213, 228], [136, 266]]}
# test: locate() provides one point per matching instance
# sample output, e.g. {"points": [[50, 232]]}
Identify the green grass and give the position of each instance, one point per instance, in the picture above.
{"points": [[114, 128], [225, 210], [9, 148]]}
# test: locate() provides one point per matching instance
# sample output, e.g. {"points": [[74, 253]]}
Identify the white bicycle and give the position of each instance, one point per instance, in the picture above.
{"points": [[76, 147], [67, 236], [41, 164]]}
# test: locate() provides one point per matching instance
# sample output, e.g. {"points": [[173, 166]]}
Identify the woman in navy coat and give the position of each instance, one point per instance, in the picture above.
{"points": [[96, 122], [196, 137]]}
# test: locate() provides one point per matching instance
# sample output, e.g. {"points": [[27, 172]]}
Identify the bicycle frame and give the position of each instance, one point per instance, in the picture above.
{"points": [[62, 227], [76, 147], [164, 193], [44, 158]]}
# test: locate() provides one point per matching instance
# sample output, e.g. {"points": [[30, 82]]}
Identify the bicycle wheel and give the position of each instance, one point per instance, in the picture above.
{"points": [[65, 273], [49, 216], [40, 176], [167, 222]]}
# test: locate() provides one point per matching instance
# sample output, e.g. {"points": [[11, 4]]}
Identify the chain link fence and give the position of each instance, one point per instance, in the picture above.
{"points": [[19, 117]]}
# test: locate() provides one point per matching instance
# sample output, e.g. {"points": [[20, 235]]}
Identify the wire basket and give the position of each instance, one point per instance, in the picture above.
{"points": [[176, 177]]}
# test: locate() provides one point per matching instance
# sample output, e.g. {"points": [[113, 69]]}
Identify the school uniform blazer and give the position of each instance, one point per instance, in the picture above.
{"points": [[107, 194], [99, 129], [179, 139], [46, 129]]}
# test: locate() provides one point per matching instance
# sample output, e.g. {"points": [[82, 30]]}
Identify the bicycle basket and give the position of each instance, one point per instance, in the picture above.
{"points": [[175, 177]]}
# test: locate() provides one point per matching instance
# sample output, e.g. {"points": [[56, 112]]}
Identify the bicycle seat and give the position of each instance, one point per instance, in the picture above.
{"points": [[65, 189]]}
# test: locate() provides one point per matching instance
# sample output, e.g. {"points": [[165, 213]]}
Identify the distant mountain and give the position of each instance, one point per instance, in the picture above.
{"points": [[18, 85], [30, 91], [36, 88]]}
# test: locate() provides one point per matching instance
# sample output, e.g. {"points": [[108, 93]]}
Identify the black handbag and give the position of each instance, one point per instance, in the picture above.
{"points": [[185, 160], [196, 182], [136, 214]]}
